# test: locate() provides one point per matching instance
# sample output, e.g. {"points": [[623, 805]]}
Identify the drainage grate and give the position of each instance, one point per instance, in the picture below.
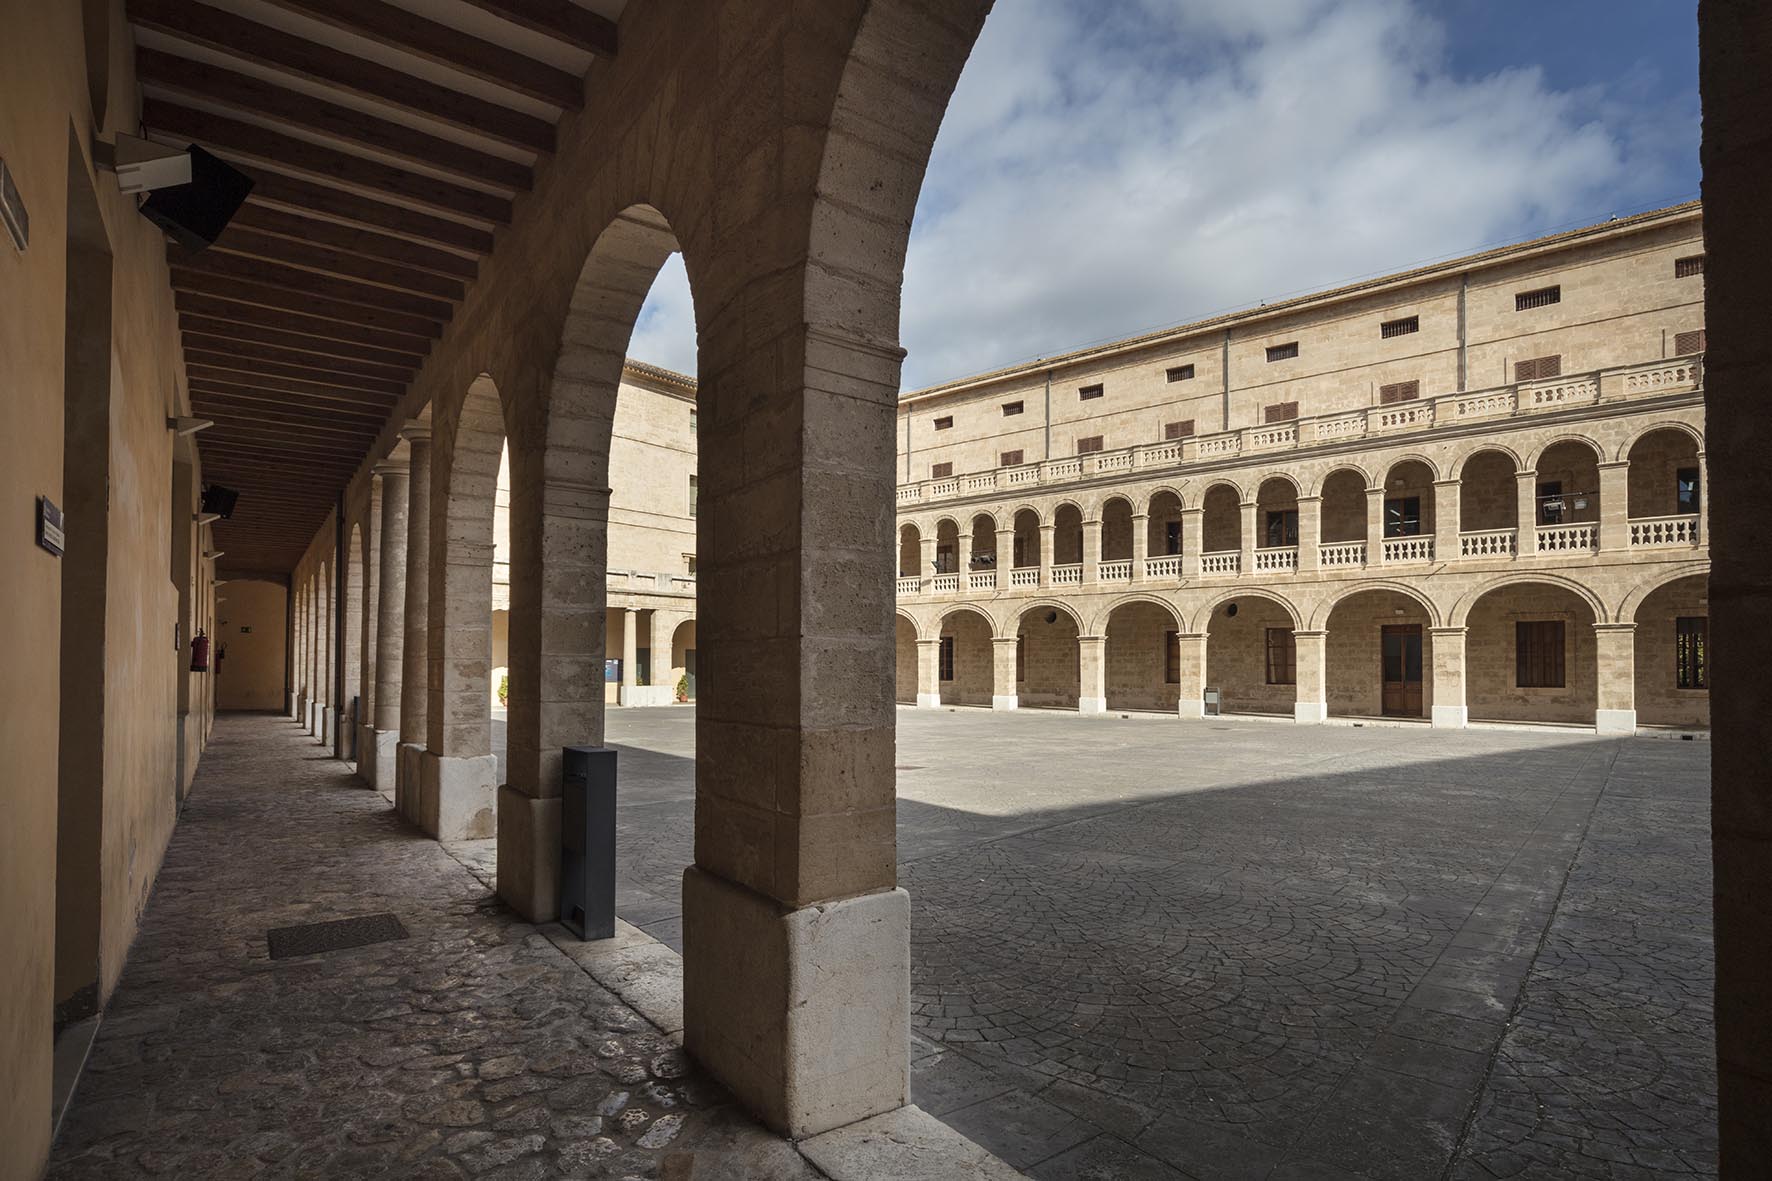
{"points": [[314, 938]]}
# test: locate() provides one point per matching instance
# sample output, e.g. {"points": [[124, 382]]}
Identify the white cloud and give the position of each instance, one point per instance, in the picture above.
{"points": [[1109, 168], [664, 333]]}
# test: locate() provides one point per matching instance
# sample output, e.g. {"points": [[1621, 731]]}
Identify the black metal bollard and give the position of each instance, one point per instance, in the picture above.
{"points": [[587, 842]]}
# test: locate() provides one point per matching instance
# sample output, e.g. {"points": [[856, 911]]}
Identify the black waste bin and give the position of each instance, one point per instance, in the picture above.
{"points": [[587, 842]]}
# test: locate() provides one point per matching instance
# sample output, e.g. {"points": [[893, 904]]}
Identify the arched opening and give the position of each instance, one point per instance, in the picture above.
{"points": [[1343, 523], [1530, 655], [1408, 511], [904, 661], [1143, 658], [349, 709], [947, 546], [984, 544], [1488, 505], [1163, 536], [1027, 540], [1672, 654], [910, 551], [1276, 519], [1221, 528], [1116, 532], [683, 660], [1378, 657], [1664, 475], [963, 659], [500, 681], [1067, 538], [1048, 667], [1567, 496], [1251, 656]]}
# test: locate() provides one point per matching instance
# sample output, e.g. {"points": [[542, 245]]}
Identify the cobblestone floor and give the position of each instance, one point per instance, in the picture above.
{"points": [[1240, 949], [473, 1048]]}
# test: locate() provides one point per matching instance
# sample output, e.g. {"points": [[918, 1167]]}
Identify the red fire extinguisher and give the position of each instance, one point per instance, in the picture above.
{"points": [[200, 653]]}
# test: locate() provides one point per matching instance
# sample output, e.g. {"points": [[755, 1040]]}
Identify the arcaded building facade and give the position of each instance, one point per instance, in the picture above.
{"points": [[1471, 492]]}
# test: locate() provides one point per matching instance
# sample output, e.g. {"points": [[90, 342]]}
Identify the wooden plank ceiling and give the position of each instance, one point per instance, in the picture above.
{"points": [[386, 140]]}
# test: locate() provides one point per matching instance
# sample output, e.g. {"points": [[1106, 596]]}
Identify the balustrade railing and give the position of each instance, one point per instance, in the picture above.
{"points": [[1568, 538], [1682, 530], [1165, 567], [1409, 549], [1027, 576], [1341, 554], [909, 585], [1119, 571], [945, 584], [1488, 543], [1276, 559], [1226, 562], [1068, 575], [982, 580]]}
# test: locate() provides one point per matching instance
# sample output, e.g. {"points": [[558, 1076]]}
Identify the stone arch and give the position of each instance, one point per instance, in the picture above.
{"points": [[349, 709], [1570, 464], [1322, 481], [905, 637], [1067, 532], [1099, 621], [1462, 458], [1488, 493], [1661, 459], [1164, 507], [1422, 458], [1140, 654], [1238, 660], [1320, 616], [947, 546], [1671, 424], [966, 637], [1410, 507], [1670, 644], [1502, 647], [910, 550], [1221, 522], [1460, 613], [1587, 441], [1342, 515], [1633, 598], [1049, 670], [1116, 527], [1203, 615], [983, 527], [1006, 625], [1025, 523], [1359, 660]]}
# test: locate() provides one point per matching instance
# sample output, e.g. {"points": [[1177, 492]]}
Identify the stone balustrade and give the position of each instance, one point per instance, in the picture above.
{"points": [[1681, 530], [1489, 543]]}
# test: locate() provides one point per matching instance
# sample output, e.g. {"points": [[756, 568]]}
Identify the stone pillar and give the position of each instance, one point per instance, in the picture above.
{"points": [[630, 654], [1448, 510], [1048, 534], [1702, 527], [1193, 536], [1003, 694], [415, 644], [1311, 702], [1191, 658], [1614, 495], [1374, 526], [1092, 673], [1616, 699], [390, 632], [1005, 557], [1449, 710], [963, 557], [1246, 537], [926, 570], [1310, 533], [368, 552], [1141, 544], [1092, 550], [1526, 514], [298, 659], [929, 673]]}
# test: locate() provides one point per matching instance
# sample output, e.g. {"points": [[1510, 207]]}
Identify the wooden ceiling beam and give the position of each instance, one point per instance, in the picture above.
{"points": [[402, 30], [225, 32], [304, 196], [349, 316], [560, 19], [313, 283], [245, 92], [292, 413], [350, 240], [262, 145], [322, 397], [247, 322], [249, 401], [219, 365], [337, 263], [227, 345]]}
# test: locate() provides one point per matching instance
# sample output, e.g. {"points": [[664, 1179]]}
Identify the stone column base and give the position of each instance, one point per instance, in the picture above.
{"points": [[294, 710], [804, 1014], [458, 798], [1310, 712], [366, 754], [1452, 717], [1091, 705], [1005, 701], [529, 855], [383, 752], [1615, 721], [1191, 708], [406, 779], [928, 701]]}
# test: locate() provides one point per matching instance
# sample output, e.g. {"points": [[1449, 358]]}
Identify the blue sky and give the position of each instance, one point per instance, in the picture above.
{"points": [[1118, 166]]}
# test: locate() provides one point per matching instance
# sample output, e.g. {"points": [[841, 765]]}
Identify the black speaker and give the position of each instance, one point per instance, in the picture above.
{"points": [[219, 500], [195, 214]]}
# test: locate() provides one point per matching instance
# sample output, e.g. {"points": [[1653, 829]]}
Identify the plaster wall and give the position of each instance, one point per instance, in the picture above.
{"points": [[1051, 669], [250, 623], [1355, 647]]}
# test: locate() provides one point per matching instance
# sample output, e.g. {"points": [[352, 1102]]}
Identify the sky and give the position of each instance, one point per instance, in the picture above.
{"points": [[1111, 167]]}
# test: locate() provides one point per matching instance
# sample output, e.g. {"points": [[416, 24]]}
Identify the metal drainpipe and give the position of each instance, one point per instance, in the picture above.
{"points": [[1464, 282], [1224, 367], [1048, 414]]}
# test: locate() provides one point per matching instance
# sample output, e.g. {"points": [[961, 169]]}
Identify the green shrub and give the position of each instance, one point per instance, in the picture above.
{"points": [[504, 690]]}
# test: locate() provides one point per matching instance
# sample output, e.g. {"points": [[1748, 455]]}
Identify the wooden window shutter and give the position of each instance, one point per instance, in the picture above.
{"points": [[940, 471], [1538, 368], [1089, 444], [1178, 430], [1399, 391], [1010, 458], [1686, 343], [1280, 412]]}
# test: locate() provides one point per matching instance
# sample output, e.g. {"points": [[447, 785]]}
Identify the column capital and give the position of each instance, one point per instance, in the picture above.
{"points": [[1613, 464], [1449, 632], [1616, 627], [416, 432], [1141, 516], [1309, 633], [1526, 473], [1454, 482], [1092, 639], [1049, 527], [930, 640], [389, 467], [1005, 639], [1311, 498]]}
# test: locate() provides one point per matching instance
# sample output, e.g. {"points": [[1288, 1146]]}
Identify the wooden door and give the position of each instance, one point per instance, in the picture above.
{"points": [[1402, 670]]}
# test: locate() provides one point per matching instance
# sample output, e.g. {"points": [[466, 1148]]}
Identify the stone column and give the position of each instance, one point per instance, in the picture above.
{"points": [[414, 645], [1448, 509], [1311, 702], [1246, 537], [1191, 657], [926, 570], [390, 602], [929, 673], [963, 558], [1449, 710], [1616, 681], [1005, 557], [1614, 495], [1702, 527], [1193, 536], [368, 620], [298, 657], [1092, 673], [1526, 514], [630, 654], [1092, 550], [1310, 533], [1374, 526], [1003, 694], [1048, 534], [1141, 543]]}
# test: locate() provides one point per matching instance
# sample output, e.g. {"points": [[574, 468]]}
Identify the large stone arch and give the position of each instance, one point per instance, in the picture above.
{"points": [[1099, 620], [970, 633], [1010, 620], [1237, 658], [1668, 424], [1459, 615], [1140, 655], [1537, 453], [1202, 615], [1340, 465], [1455, 470], [1319, 616], [1633, 598]]}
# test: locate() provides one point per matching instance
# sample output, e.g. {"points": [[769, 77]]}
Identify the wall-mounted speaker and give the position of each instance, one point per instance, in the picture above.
{"points": [[219, 500], [195, 214]]}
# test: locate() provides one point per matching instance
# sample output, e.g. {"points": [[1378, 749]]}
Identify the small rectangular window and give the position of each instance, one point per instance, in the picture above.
{"points": [[1399, 391], [1401, 327], [1179, 373], [1685, 268], [940, 471], [1089, 445], [1538, 368], [1088, 393], [1282, 352], [1686, 491], [689, 564], [1172, 658], [1538, 654], [692, 496], [943, 423], [1011, 408], [1282, 527], [1010, 458], [1282, 656], [1179, 430], [692, 422], [1542, 297], [1691, 652], [1280, 412], [1402, 516], [947, 658], [1687, 343]]}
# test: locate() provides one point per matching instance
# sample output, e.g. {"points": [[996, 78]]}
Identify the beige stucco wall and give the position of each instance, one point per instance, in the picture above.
{"points": [[251, 676]]}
